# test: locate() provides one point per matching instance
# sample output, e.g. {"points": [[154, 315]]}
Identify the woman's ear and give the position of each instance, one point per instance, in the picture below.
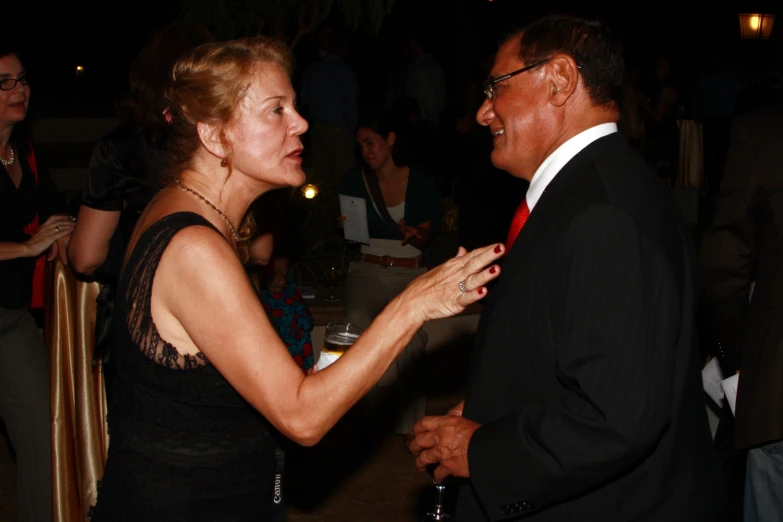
{"points": [[211, 137], [391, 138]]}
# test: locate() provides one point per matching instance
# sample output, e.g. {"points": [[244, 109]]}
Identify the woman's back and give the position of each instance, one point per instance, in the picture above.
{"points": [[184, 444]]}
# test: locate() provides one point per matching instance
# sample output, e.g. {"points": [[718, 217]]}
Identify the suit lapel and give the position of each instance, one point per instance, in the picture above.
{"points": [[552, 197]]}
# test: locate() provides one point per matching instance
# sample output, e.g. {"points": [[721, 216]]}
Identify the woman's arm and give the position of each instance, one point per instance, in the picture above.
{"points": [[202, 301], [91, 238], [52, 229], [10, 250]]}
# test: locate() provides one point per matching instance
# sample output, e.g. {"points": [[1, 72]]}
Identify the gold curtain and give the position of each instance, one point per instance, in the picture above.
{"points": [[80, 438], [691, 161]]}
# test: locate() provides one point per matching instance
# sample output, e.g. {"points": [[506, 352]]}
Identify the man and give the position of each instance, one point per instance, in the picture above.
{"points": [[425, 81], [743, 245], [330, 99], [584, 399]]}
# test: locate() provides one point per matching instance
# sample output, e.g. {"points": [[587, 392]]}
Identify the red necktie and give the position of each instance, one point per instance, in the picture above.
{"points": [[520, 216]]}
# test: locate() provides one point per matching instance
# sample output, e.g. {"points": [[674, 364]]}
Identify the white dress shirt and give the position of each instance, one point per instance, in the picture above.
{"points": [[554, 162]]}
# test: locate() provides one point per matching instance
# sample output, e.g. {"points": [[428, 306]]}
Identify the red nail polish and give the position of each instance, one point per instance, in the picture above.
{"points": [[493, 270], [481, 291], [497, 249]]}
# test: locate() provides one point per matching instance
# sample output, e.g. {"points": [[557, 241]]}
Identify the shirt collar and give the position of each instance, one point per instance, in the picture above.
{"points": [[554, 162]]}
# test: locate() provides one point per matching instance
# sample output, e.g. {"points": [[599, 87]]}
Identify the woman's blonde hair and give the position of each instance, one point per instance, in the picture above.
{"points": [[208, 85]]}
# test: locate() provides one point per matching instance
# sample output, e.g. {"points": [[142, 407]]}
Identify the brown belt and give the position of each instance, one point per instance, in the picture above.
{"points": [[387, 261]]}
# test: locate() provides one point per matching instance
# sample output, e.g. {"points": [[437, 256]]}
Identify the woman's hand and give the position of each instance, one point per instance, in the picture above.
{"points": [[54, 228], [60, 248], [450, 287], [416, 235]]}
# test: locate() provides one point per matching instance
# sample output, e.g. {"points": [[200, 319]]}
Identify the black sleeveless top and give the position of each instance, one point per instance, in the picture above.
{"points": [[183, 444]]}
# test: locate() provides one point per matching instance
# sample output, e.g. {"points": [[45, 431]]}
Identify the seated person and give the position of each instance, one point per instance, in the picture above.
{"points": [[404, 208], [266, 255]]}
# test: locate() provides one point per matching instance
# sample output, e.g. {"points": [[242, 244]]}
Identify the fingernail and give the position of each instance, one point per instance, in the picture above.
{"points": [[493, 270], [481, 291], [497, 249]]}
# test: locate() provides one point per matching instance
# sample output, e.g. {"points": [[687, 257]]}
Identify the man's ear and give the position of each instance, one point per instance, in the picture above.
{"points": [[563, 79], [211, 138]]}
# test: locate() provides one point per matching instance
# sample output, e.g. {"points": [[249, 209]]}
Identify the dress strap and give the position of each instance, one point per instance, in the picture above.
{"points": [[134, 291]]}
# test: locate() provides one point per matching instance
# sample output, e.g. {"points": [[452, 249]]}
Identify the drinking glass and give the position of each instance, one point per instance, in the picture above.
{"points": [[339, 337], [438, 512]]}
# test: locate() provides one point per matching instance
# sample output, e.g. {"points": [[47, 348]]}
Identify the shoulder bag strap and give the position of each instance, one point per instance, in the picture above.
{"points": [[376, 198]]}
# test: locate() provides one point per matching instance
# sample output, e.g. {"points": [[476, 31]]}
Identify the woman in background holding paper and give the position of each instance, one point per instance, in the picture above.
{"points": [[403, 210]]}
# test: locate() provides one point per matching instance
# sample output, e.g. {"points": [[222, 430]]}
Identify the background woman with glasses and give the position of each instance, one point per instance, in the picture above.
{"points": [[28, 228]]}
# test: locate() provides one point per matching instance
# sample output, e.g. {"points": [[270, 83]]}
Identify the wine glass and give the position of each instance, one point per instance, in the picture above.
{"points": [[438, 512], [334, 275]]}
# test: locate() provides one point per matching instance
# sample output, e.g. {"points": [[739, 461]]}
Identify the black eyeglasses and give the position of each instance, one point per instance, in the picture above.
{"points": [[489, 86], [6, 84]]}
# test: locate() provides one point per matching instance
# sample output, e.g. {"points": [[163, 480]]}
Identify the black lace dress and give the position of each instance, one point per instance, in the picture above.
{"points": [[184, 445]]}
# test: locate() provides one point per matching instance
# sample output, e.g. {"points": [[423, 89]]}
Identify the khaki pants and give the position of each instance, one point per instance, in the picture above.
{"points": [[368, 289]]}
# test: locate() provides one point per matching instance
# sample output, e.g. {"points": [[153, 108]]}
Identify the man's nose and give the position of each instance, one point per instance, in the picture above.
{"points": [[484, 114]]}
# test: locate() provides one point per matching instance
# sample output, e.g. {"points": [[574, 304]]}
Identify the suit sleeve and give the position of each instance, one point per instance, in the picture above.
{"points": [[617, 315], [727, 256]]}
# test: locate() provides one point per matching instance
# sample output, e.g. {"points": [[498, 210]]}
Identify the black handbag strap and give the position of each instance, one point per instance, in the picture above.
{"points": [[376, 198]]}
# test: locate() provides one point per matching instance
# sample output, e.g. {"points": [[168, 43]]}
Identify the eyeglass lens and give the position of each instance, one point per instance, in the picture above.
{"points": [[7, 84]]}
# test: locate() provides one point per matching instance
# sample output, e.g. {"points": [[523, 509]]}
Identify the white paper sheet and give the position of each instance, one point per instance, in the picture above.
{"points": [[355, 224], [730, 390], [711, 377]]}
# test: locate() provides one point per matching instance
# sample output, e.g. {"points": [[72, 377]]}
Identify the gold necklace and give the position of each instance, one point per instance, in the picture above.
{"points": [[208, 202]]}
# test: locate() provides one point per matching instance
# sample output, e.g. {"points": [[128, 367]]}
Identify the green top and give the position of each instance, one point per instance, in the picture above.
{"points": [[423, 202]]}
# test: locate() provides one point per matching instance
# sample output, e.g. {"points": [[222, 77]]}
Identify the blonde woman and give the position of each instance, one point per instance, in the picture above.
{"points": [[205, 385]]}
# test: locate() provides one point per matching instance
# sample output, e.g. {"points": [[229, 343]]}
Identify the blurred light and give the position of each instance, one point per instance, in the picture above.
{"points": [[756, 26], [309, 191], [79, 69]]}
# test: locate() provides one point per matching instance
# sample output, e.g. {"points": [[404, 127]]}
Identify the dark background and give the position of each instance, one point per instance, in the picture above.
{"points": [[104, 37]]}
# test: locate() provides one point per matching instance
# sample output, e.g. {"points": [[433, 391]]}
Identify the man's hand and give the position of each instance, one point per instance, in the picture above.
{"points": [[443, 440]]}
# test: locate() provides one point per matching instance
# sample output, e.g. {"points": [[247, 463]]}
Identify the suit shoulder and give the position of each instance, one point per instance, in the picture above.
{"points": [[772, 111], [629, 181], [763, 126], [625, 181]]}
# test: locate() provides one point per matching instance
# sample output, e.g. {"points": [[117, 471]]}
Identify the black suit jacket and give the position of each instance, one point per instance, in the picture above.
{"points": [[585, 374], [745, 244]]}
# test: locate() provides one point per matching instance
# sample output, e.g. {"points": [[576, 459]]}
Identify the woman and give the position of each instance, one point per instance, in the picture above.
{"points": [[204, 382], [403, 208], [266, 257], [123, 173], [28, 228]]}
